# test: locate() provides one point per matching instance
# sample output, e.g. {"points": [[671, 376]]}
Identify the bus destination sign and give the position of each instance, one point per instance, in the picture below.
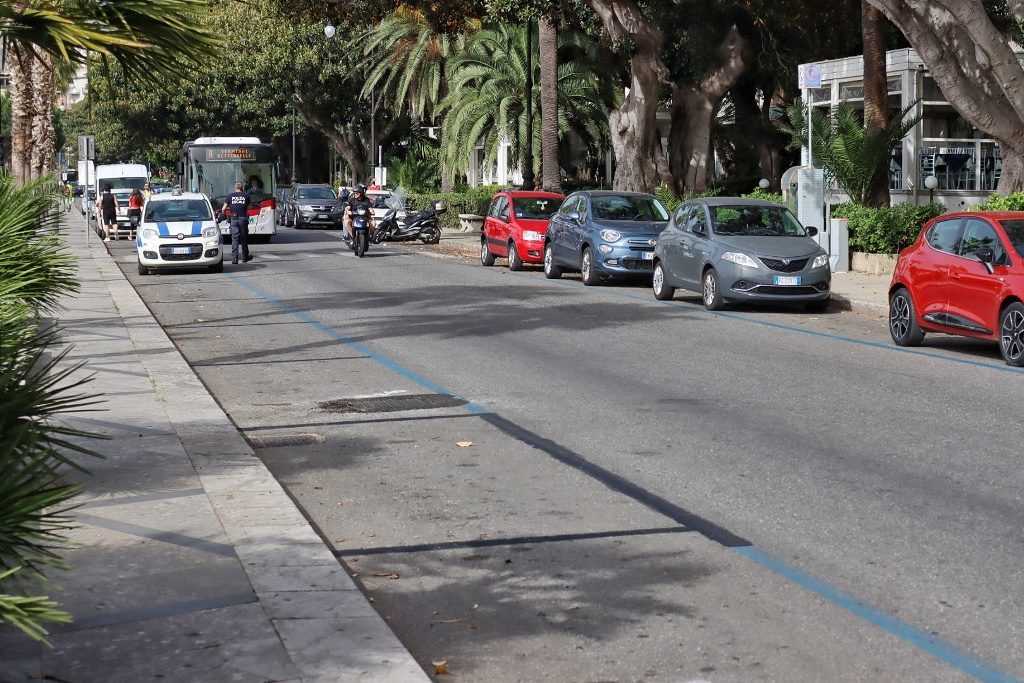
{"points": [[231, 154]]}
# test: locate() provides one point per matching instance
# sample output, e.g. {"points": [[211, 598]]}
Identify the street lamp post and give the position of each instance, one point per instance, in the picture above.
{"points": [[528, 179], [293, 144], [931, 182]]}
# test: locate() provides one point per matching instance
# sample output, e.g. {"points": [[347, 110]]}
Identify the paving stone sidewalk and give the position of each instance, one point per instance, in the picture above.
{"points": [[191, 563]]}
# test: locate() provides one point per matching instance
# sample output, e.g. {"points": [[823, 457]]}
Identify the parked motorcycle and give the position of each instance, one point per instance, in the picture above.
{"points": [[423, 226]]}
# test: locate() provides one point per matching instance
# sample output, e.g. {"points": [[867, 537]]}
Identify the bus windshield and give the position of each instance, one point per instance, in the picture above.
{"points": [[217, 178]]}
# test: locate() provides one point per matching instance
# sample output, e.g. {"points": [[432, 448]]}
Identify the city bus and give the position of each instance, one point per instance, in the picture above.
{"points": [[212, 165]]}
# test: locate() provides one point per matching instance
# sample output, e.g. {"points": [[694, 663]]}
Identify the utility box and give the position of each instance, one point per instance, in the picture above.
{"points": [[839, 252], [810, 203]]}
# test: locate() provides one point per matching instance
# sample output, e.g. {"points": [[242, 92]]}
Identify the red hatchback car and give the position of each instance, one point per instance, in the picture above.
{"points": [[515, 227], [964, 275]]}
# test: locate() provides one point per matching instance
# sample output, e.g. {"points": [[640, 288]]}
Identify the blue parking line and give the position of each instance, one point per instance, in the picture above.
{"points": [[937, 647], [915, 636]]}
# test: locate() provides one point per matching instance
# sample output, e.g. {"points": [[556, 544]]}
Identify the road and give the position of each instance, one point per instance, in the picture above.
{"points": [[584, 484]]}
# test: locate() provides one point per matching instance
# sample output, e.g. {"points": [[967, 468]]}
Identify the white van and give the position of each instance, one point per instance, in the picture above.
{"points": [[122, 178]]}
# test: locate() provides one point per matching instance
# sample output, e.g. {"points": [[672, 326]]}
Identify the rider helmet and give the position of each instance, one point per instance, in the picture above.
{"points": [[359, 188]]}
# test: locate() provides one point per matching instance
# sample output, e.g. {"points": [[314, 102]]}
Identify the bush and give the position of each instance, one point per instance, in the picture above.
{"points": [[765, 196], [475, 200], [887, 230], [1003, 202], [667, 196]]}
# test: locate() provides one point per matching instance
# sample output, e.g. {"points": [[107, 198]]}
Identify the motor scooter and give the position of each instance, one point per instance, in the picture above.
{"points": [[423, 226], [361, 231]]}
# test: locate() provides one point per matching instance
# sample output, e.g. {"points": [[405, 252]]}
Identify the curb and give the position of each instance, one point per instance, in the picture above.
{"points": [[326, 625], [841, 302]]}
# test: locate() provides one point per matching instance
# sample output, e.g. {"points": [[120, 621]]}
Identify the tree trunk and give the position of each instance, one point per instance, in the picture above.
{"points": [[44, 138], [693, 111], [345, 142], [551, 180], [981, 78], [632, 126], [22, 113], [876, 91]]}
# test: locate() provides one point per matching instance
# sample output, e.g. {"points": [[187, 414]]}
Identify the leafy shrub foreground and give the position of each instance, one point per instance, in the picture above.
{"points": [[1003, 202], [887, 230]]}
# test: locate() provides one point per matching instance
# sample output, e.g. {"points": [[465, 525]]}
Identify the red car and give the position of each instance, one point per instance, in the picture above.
{"points": [[515, 227], [964, 275]]}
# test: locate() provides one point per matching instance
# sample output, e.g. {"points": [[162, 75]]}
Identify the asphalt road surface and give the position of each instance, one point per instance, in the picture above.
{"points": [[536, 480]]}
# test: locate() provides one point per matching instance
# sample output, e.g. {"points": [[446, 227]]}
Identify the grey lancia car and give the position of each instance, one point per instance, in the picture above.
{"points": [[735, 249]]}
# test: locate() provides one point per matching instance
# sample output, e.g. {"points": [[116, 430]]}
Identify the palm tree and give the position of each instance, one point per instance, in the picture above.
{"points": [[486, 102], [876, 91], [159, 37], [548, 33]]}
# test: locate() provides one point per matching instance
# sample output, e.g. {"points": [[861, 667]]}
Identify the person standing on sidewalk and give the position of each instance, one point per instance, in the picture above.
{"points": [[108, 210], [236, 206]]}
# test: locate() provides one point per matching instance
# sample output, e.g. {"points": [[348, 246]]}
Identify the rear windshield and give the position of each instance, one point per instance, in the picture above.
{"points": [[178, 210], [755, 221], [316, 193], [536, 207], [628, 208], [1015, 231]]}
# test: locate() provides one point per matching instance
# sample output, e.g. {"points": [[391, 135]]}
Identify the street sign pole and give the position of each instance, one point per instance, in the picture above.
{"points": [[86, 151]]}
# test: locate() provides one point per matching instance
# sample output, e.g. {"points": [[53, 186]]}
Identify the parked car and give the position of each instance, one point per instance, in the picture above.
{"points": [[964, 276], [735, 249], [515, 227], [178, 230], [314, 205], [281, 196], [604, 234]]}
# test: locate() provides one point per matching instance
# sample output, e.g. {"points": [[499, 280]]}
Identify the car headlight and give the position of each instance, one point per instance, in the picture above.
{"points": [[150, 234], [740, 259], [611, 235], [532, 236], [211, 232], [820, 261], [605, 249]]}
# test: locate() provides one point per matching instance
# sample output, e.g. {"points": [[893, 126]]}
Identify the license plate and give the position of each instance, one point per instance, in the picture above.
{"points": [[784, 280], [181, 250], [648, 256], [322, 217]]}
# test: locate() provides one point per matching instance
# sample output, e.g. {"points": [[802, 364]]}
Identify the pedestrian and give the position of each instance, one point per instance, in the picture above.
{"points": [[69, 195], [108, 211], [147, 190], [135, 203], [236, 206]]}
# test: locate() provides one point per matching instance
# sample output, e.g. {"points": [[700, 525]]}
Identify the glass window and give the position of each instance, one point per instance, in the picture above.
{"points": [[177, 210], [1015, 231], [316, 193], [123, 183], [539, 208], [944, 235], [853, 90], [680, 217], [979, 233], [817, 95], [503, 209], [627, 208], [493, 211], [894, 86], [755, 220], [569, 205], [697, 220]]}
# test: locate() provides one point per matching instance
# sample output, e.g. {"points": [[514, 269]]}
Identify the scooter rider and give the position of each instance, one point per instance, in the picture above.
{"points": [[356, 200]]}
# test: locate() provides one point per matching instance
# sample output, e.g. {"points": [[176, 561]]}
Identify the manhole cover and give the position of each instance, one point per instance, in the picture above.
{"points": [[281, 440], [391, 404]]}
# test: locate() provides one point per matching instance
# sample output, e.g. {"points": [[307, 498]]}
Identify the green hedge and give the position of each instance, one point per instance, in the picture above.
{"points": [[1003, 202], [887, 230], [474, 200]]}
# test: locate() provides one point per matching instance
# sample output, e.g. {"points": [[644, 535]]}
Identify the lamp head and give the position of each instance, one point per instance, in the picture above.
{"points": [[763, 183], [329, 30], [931, 182]]}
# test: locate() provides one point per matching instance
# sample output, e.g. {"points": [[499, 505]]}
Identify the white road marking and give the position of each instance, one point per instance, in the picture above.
{"points": [[381, 394]]}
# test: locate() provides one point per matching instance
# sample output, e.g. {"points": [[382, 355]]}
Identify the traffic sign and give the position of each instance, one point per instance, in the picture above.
{"points": [[809, 76]]}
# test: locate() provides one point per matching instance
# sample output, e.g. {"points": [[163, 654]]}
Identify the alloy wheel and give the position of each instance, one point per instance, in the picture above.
{"points": [[899, 316], [586, 265], [710, 289], [1011, 336], [658, 281]]}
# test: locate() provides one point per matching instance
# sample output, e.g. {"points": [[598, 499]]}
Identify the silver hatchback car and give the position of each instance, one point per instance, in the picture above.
{"points": [[735, 249]]}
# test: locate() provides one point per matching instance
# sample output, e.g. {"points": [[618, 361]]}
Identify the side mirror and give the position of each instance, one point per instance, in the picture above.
{"points": [[985, 254], [811, 231], [698, 229], [574, 216]]}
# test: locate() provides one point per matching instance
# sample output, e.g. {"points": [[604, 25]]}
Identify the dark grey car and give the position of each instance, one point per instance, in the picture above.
{"points": [[314, 205], [734, 249]]}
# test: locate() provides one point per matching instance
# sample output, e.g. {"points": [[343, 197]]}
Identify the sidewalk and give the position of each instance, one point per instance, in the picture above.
{"points": [[191, 563], [856, 292]]}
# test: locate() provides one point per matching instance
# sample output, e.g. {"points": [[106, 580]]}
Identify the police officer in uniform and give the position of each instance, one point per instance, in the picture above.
{"points": [[236, 206]]}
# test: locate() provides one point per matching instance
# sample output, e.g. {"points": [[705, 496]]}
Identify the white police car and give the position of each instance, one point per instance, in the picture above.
{"points": [[178, 230]]}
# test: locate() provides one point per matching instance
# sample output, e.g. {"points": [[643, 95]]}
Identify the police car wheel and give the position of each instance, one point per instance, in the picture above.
{"points": [[143, 270], [217, 267]]}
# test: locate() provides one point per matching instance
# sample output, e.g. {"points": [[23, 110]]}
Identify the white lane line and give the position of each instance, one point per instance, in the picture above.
{"points": [[381, 394]]}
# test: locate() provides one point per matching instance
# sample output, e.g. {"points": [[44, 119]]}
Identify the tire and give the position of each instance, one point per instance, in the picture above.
{"points": [[551, 269], [1011, 334], [217, 267], [663, 291], [711, 292], [299, 225], [515, 261], [587, 269], [431, 236], [361, 243], [486, 257], [903, 327], [817, 306], [143, 270]]}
